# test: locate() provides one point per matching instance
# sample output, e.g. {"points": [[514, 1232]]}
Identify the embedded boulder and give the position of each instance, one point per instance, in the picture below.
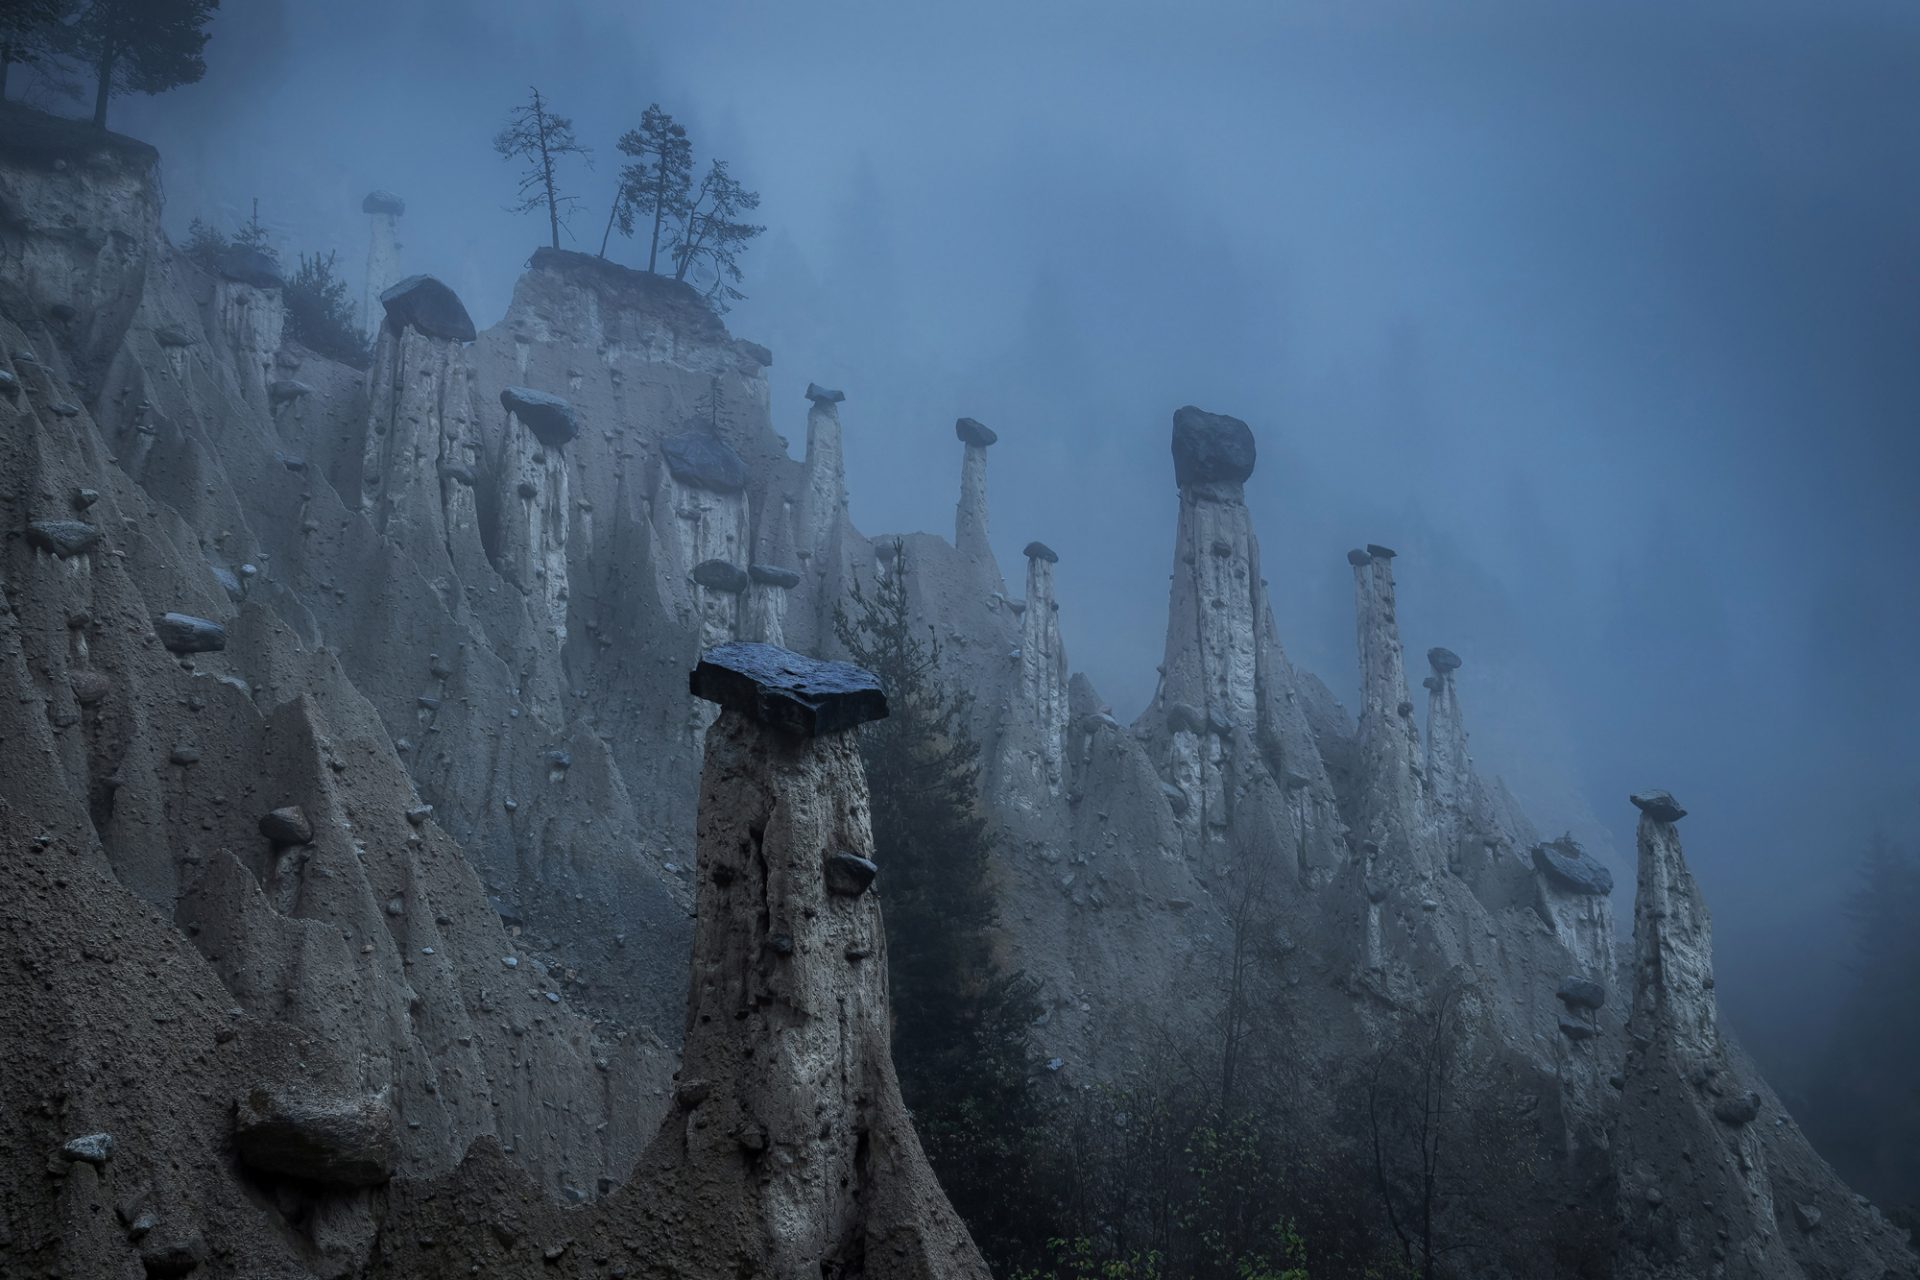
{"points": [[301, 1133], [184, 633], [1658, 805], [699, 460], [63, 538], [1566, 864], [1443, 660], [719, 575], [1210, 448], [429, 306], [774, 576], [551, 418], [248, 266], [287, 825]]}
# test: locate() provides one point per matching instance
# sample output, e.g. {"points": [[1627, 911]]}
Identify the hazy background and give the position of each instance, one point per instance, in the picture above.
{"points": [[1605, 316]]}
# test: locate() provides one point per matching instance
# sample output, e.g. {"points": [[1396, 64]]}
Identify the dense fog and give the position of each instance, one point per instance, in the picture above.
{"points": [[1604, 317]]}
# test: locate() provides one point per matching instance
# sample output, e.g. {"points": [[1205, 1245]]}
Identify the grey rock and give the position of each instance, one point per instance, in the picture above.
{"points": [[1571, 867], [185, 755], [1581, 993], [383, 202], [9, 385], [248, 266], [1176, 798], [558, 758], [1357, 557], [551, 418], [1041, 551], [429, 306], [1379, 552], [184, 633], [1185, 717], [718, 575], [84, 498], [63, 538], [229, 581], [754, 352], [1443, 659], [304, 1133], [1576, 1030], [698, 459], [287, 825], [849, 874], [170, 1255], [1737, 1111], [94, 1148], [1210, 448], [419, 813], [1807, 1217], [66, 409], [283, 390], [89, 687], [291, 461], [788, 690], [774, 576], [824, 395], [1658, 805], [974, 432]]}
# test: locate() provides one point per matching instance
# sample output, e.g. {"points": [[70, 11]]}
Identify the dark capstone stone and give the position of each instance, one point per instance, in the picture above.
{"points": [[1379, 552], [281, 390], [1806, 1217], [526, 489], [718, 575], [1431, 684], [287, 825], [1357, 558], [824, 395], [172, 1256], [1185, 716], [699, 460], [754, 352], [559, 758], [550, 418], [1210, 448], [885, 551], [1574, 1029], [849, 874], [84, 498], [973, 432], [291, 461], [341, 1142], [248, 266], [66, 410], [94, 1148], [383, 202], [429, 306], [1737, 1111], [1443, 659], [64, 538], [1582, 993], [1658, 805], [184, 633], [788, 690], [773, 575], [185, 756], [1571, 867], [1041, 551]]}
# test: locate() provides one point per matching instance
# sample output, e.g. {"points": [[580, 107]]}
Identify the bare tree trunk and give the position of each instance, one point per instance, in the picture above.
{"points": [[659, 214], [104, 90], [608, 233], [6, 61]]}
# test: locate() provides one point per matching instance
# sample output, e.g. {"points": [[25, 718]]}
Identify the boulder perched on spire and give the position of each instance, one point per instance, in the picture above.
{"points": [[1210, 448], [787, 690], [973, 432], [429, 306], [551, 418]]}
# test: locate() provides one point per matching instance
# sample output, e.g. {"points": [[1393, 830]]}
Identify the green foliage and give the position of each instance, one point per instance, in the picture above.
{"points": [[539, 139], [138, 46], [712, 237], [320, 312], [960, 1033], [655, 185]]}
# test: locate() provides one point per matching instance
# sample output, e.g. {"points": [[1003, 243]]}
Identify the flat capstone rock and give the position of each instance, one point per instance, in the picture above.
{"points": [[1443, 659], [184, 633], [788, 690], [719, 575], [64, 538], [699, 460], [282, 390], [248, 266], [94, 1148], [429, 306], [1041, 551], [971, 431], [1379, 552], [1573, 868], [551, 418], [1357, 558], [773, 575], [287, 825], [1581, 993], [1210, 448], [824, 395], [1658, 805], [849, 874], [383, 202]]}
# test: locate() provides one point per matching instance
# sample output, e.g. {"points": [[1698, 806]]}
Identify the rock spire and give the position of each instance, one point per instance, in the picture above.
{"points": [[970, 515]]}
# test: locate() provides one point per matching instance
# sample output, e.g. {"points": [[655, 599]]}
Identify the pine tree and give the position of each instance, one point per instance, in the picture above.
{"points": [[960, 1033], [29, 32], [712, 234], [536, 135], [656, 184], [138, 46]]}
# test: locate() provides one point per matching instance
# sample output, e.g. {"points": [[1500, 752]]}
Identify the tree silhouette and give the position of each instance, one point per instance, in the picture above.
{"points": [[536, 135], [656, 183], [711, 233], [137, 46], [28, 32]]}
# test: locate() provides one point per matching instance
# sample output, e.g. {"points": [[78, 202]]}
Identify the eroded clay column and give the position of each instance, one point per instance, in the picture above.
{"points": [[970, 515]]}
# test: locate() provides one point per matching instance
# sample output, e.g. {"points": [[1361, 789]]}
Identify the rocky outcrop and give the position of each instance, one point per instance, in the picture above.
{"points": [[383, 210], [1033, 741], [1714, 1178], [823, 496], [1392, 803], [970, 514]]}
